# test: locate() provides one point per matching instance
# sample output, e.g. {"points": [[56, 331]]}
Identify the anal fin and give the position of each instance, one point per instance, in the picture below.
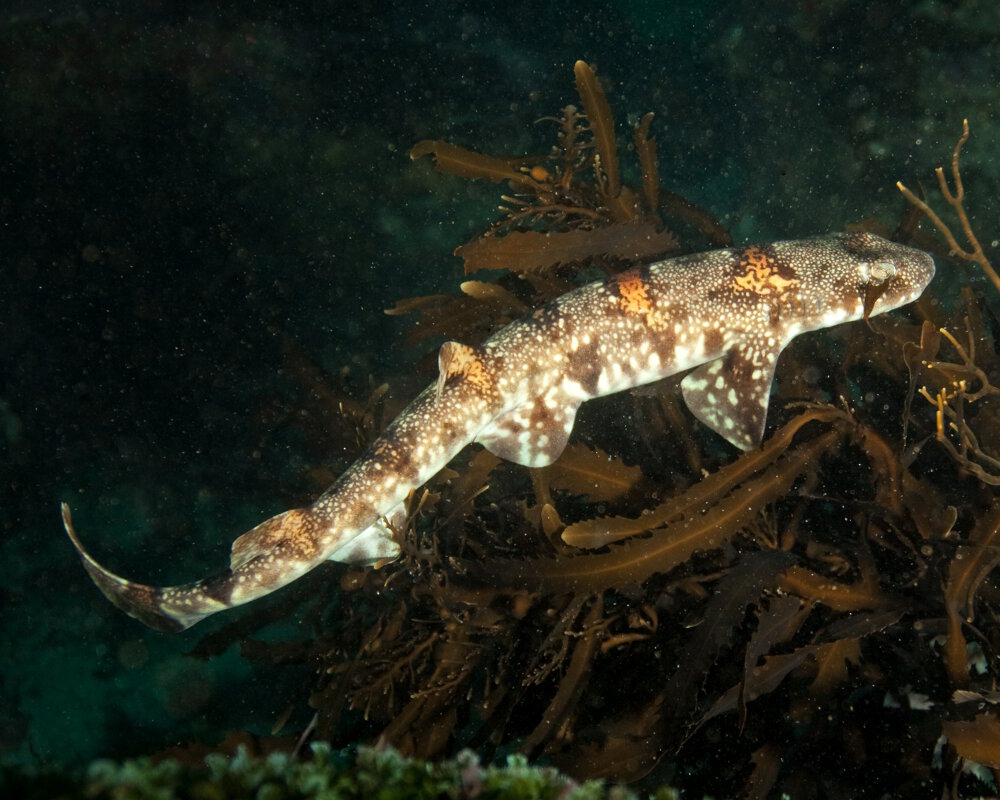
{"points": [[730, 395]]}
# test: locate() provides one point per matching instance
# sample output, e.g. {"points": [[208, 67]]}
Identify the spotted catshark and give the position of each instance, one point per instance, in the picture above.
{"points": [[726, 313]]}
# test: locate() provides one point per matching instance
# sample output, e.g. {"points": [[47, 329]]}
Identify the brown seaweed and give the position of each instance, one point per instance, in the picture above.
{"points": [[637, 240], [648, 600], [602, 126], [971, 563], [977, 740], [695, 503], [572, 207], [482, 308], [570, 210], [466, 163], [601, 477]]}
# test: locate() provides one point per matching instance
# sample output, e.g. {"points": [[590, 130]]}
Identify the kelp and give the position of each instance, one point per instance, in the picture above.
{"points": [[969, 567], [978, 740], [650, 602], [570, 210], [481, 309], [671, 544], [581, 470], [572, 207], [694, 506], [468, 164], [530, 251]]}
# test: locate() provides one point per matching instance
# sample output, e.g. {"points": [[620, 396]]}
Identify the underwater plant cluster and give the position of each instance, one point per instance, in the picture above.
{"points": [[647, 607]]}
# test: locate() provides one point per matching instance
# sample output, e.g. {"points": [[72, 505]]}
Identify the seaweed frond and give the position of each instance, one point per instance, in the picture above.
{"points": [[572, 207], [641, 600]]}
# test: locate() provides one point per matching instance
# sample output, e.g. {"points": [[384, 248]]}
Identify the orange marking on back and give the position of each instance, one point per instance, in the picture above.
{"points": [[634, 293], [634, 300], [760, 274]]}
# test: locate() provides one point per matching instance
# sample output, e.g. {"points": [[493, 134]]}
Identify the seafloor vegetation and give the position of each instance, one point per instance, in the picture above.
{"points": [[324, 774], [650, 606]]}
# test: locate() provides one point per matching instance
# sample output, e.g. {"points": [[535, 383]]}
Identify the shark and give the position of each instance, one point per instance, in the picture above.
{"points": [[723, 314]]}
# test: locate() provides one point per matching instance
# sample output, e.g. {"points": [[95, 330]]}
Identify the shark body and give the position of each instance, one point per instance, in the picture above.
{"points": [[727, 313]]}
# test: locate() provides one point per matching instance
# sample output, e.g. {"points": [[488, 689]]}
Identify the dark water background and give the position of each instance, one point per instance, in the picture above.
{"points": [[188, 190]]}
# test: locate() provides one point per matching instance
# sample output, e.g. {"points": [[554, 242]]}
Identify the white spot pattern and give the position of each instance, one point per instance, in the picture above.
{"points": [[729, 311]]}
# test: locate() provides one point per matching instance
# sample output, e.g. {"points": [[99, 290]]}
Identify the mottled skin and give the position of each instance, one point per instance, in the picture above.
{"points": [[727, 312]]}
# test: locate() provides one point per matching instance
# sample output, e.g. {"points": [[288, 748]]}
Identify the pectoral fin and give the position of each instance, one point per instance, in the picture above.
{"points": [[375, 545], [730, 395], [294, 532], [533, 434]]}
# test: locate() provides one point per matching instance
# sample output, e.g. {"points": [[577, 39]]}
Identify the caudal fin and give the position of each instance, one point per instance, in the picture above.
{"points": [[169, 609]]}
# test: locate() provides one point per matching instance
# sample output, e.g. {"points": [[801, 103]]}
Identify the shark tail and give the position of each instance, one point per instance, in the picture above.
{"points": [[170, 608]]}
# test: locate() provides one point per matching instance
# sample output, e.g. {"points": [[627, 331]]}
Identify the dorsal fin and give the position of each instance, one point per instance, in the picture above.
{"points": [[456, 360]]}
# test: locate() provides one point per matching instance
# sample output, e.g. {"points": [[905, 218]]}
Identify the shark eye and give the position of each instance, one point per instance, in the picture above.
{"points": [[877, 271]]}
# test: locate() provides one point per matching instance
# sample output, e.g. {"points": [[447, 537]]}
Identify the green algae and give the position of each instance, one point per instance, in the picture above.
{"points": [[368, 772]]}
